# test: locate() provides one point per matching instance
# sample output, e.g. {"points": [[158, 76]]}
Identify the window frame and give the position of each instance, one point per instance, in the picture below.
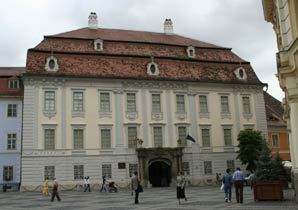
{"points": [[225, 104], [12, 110], [12, 140], [278, 140], [49, 174], [131, 142], [227, 127], [45, 128], [77, 128], [10, 171], [106, 170], [78, 172], [13, 84], [132, 167], [131, 104], [206, 127], [210, 168], [154, 136], [109, 128], [180, 105]]}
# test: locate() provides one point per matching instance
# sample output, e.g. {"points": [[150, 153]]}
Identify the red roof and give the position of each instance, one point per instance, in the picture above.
{"points": [[11, 71], [126, 54], [274, 111], [133, 36]]}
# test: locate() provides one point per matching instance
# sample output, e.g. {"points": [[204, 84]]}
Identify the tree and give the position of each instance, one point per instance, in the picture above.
{"points": [[268, 170], [250, 146]]}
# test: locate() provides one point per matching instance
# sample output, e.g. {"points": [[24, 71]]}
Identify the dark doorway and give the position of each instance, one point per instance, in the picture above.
{"points": [[160, 174]]}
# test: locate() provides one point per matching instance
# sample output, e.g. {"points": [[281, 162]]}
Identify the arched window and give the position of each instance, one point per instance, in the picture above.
{"points": [[191, 52], [98, 45], [52, 64]]}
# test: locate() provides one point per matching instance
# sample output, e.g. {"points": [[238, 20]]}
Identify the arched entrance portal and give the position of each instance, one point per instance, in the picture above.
{"points": [[160, 173]]}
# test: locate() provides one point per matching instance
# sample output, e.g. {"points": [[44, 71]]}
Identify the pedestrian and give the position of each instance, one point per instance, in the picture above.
{"points": [[104, 185], [227, 181], [135, 186], [180, 187], [238, 179], [87, 184], [217, 178], [55, 191], [45, 189]]}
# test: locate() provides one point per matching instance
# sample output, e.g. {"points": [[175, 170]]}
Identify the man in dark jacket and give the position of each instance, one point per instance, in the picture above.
{"points": [[55, 191]]}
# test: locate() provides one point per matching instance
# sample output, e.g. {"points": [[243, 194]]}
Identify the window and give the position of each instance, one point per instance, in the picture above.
{"points": [[12, 110], [231, 165], [105, 102], [52, 64], [203, 104], [49, 139], [7, 173], [78, 172], [11, 141], [78, 101], [98, 45], [131, 136], [105, 138], [49, 172], [182, 133], [13, 84], [156, 106], [208, 167], [78, 138], [107, 170], [224, 104], [157, 136], [152, 69], [132, 168], [205, 137], [246, 105], [180, 104], [185, 168], [191, 51], [275, 140], [131, 102], [49, 100], [227, 136]]}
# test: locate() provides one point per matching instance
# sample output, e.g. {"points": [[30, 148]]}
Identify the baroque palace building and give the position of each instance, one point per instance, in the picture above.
{"points": [[283, 14], [110, 102]]}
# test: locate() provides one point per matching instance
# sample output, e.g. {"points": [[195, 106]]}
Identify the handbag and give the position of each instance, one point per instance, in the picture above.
{"points": [[140, 188], [222, 186]]}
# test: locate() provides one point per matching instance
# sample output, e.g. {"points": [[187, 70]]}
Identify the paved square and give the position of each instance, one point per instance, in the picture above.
{"points": [[205, 198]]}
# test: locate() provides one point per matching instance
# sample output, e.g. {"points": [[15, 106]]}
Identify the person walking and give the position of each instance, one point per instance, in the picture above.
{"points": [[45, 189], [104, 185], [87, 184], [55, 191], [180, 187], [227, 180], [238, 179], [135, 183]]}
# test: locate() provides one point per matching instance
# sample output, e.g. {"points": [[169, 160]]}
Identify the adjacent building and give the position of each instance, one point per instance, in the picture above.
{"points": [[277, 128], [283, 14], [11, 102], [108, 102]]}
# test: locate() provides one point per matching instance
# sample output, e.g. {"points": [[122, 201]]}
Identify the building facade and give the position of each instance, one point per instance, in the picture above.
{"points": [[107, 102], [11, 99], [283, 14], [277, 128]]}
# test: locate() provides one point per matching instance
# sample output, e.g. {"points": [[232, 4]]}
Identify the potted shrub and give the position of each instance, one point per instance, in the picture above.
{"points": [[268, 175]]}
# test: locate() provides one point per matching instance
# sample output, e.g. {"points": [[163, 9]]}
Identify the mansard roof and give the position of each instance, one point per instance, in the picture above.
{"points": [[11, 71], [126, 54]]}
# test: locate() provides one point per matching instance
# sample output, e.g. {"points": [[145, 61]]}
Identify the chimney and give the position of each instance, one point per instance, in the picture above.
{"points": [[92, 21], [168, 27]]}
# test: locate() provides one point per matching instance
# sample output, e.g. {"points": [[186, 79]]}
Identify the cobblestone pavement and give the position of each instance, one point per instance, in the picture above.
{"points": [[205, 198]]}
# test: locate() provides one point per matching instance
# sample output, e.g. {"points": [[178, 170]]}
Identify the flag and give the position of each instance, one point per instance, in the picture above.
{"points": [[188, 137]]}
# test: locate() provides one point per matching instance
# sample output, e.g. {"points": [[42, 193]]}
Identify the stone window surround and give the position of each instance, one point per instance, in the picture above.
{"points": [[246, 116], [78, 113], [225, 114], [79, 166], [206, 126], [47, 65], [44, 172], [49, 126], [103, 113], [191, 48], [204, 114], [131, 115], [98, 41], [156, 115], [237, 73], [109, 127], [162, 126], [227, 126], [78, 126], [49, 113], [207, 161], [149, 72], [186, 125], [126, 125], [110, 167]]}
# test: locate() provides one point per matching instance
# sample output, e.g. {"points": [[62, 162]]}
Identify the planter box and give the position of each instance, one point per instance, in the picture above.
{"points": [[268, 191]]}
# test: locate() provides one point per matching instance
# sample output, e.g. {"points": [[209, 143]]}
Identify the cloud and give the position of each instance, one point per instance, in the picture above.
{"points": [[230, 23]]}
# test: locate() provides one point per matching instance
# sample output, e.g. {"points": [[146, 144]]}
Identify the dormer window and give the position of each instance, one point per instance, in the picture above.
{"points": [[240, 73], [152, 69], [191, 52], [52, 64], [98, 45]]}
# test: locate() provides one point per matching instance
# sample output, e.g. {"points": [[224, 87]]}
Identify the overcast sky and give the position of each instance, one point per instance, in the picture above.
{"points": [[238, 24]]}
